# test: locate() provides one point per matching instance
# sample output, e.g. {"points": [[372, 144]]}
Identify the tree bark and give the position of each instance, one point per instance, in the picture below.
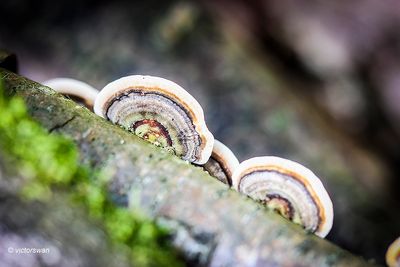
{"points": [[60, 229], [212, 224]]}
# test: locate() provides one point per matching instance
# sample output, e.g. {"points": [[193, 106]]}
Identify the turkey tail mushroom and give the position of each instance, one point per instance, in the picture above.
{"points": [[288, 188], [222, 163], [78, 91], [393, 254], [159, 111]]}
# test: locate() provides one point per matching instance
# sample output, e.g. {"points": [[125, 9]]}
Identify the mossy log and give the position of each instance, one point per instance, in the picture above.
{"points": [[212, 224]]}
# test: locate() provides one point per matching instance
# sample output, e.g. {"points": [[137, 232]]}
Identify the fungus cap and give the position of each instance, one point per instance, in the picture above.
{"points": [[79, 91], [222, 163], [159, 111], [289, 188], [393, 254]]}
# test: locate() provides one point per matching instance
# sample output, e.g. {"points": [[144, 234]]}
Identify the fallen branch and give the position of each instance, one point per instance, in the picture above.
{"points": [[213, 225]]}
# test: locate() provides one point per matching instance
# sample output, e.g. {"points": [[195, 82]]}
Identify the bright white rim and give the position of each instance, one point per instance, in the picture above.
{"points": [[286, 164], [73, 87], [152, 83], [223, 152]]}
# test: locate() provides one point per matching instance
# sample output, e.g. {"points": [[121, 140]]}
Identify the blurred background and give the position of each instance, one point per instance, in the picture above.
{"points": [[314, 81]]}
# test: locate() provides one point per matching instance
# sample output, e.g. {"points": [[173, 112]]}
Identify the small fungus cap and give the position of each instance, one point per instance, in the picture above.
{"points": [[393, 254], [78, 90], [222, 163]]}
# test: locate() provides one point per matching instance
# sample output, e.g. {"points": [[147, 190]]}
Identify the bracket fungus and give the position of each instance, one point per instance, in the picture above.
{"points": [[393, 254], [166, 115], [78, 91], [222, 163], [159, 111], [288, 188]]}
